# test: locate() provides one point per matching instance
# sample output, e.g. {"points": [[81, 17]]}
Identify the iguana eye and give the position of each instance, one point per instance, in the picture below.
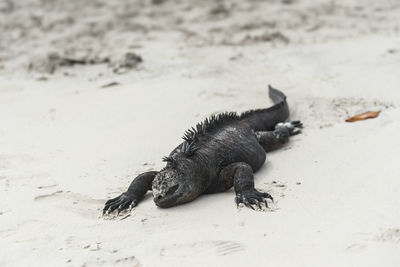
{"points": [[172, 190]]}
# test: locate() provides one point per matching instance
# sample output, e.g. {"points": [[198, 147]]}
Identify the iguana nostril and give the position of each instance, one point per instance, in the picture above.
{"points": [[159, 197]]}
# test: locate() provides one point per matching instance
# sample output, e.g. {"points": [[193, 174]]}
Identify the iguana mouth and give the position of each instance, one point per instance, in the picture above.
{"points": [[166, 201]]}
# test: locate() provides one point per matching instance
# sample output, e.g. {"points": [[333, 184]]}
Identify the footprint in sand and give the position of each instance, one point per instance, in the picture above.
{"points": [[201, 249], [227, 247], [390, 235], [79, 204], [9, 161], [126, 261]]}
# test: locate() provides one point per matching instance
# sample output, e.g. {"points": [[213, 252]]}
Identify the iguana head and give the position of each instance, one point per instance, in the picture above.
{"points": [[175, 184]]}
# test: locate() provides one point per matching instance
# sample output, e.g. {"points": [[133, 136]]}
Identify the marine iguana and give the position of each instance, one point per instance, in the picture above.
{"points": [[220, 152]]}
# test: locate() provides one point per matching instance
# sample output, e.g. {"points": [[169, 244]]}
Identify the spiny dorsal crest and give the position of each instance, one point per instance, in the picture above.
{"points": [[207, 126], [169, 160], [188, 148]]}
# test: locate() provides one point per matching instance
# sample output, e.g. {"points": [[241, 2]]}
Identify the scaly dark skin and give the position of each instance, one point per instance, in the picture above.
{"points": [[222, 152]]}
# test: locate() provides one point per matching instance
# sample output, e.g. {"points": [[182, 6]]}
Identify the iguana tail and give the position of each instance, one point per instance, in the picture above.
{"points": [[266, 119]]}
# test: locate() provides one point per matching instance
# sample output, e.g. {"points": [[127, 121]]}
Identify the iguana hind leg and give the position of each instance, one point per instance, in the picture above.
{"points": [[271, 140], [138, 188]]}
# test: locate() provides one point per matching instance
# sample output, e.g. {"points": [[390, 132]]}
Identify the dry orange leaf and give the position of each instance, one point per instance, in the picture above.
{"points": [[364, 116]]}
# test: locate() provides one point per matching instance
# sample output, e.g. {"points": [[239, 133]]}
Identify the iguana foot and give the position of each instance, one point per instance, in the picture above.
{"points": [[138, 188], [294, 127], [120, 203], [253, 198]]}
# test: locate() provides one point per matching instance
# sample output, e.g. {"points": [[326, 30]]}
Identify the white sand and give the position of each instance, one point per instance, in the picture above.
{"points": [[67, 145]]}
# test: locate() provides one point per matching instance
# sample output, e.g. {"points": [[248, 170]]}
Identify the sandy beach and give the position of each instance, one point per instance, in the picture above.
{"points": [[93, 94]]}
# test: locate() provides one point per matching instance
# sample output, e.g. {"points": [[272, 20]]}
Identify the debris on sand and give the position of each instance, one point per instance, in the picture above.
{"points": [[275, 36], [157, 2], [129, 61], [110, 84], [51, 62], [364, 116]]}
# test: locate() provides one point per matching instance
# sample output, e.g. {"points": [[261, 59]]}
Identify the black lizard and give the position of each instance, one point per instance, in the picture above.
{"points": [[220, 152]]}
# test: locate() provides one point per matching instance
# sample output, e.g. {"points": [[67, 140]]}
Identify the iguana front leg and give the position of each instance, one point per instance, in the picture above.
{"points": [[243, 182], [138, 188], [271, 140]]}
